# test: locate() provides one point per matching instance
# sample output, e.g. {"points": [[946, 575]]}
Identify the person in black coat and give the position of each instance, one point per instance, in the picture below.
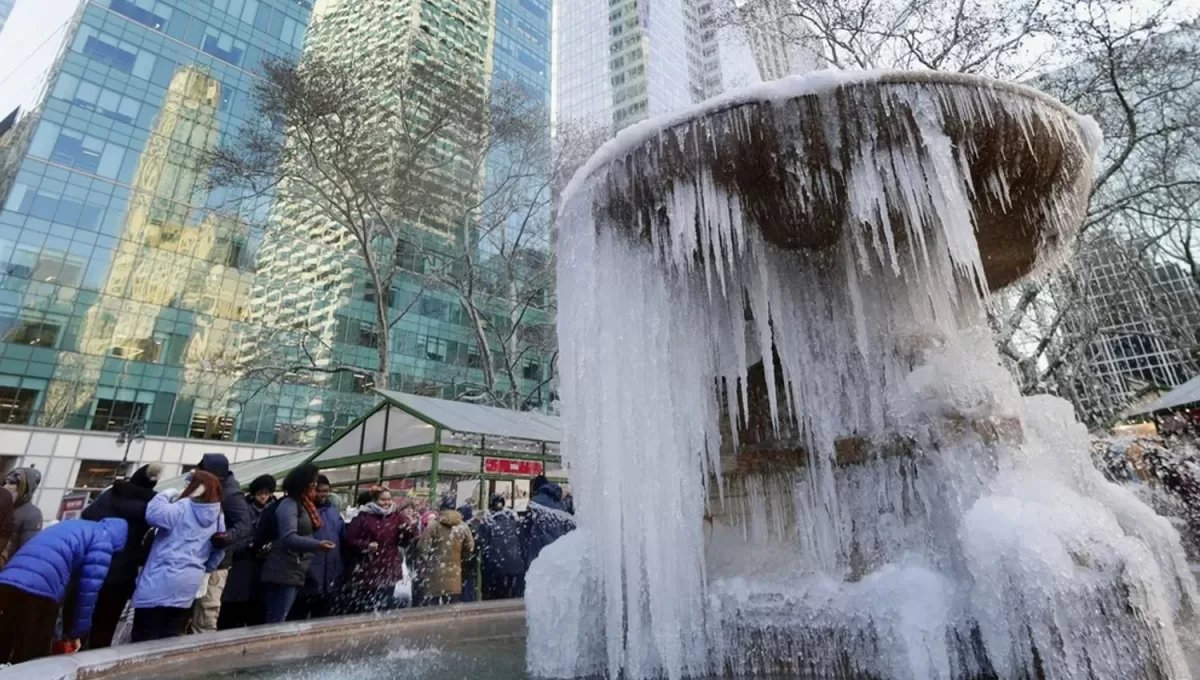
{"points": [[500, 549], [239, 527], [127, 500], [242, 603]]}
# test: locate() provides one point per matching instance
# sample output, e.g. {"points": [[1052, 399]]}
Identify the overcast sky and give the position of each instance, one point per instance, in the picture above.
{"points": [[29, 43]]}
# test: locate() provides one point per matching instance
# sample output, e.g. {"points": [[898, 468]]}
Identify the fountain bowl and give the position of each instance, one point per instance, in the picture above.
{"points": [[492, 625], [788, 151]]}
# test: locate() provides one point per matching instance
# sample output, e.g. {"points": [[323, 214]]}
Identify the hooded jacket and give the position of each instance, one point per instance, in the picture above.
{"points": [[500, 543], [182, 552], [392, 532], [444, 545], [546, 521], [127, 500], [6, 524], [27, 517], [239, 523], [74, 551]]}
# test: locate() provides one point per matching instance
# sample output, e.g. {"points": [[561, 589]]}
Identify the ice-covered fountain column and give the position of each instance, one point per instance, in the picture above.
{"points": [[840, 233]]}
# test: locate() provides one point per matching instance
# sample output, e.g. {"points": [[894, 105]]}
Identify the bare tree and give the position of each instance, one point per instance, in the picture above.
{"points": [[382, 188], [1135, 68]]}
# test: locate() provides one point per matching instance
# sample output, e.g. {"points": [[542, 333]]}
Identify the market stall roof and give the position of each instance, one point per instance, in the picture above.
{"points": [[459, 416], [407, 424], [277, 466], [1187, 393]]}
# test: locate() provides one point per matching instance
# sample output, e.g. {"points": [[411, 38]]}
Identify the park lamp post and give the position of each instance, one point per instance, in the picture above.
{"points": [[131, 431]]}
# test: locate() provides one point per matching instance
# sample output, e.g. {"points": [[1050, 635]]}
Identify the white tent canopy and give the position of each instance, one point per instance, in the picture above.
{"points": [[1187, 393], [410, 422]]}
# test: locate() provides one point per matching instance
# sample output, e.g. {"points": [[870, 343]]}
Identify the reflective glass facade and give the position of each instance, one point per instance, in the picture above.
{"points": [[124, 289]]}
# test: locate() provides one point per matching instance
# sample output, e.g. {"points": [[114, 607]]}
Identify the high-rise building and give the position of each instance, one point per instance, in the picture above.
{"points": [[621, 61], [124, 283], [1138, 318]]}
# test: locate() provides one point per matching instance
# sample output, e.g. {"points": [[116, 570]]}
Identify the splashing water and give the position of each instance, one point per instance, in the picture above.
{"points": [[968, 537]]}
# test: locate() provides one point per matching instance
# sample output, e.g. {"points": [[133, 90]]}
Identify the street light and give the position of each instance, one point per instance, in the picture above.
{"points": [[131, 431]]}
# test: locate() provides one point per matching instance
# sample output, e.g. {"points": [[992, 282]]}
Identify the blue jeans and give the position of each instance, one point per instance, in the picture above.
{"points": [[279, 600]]}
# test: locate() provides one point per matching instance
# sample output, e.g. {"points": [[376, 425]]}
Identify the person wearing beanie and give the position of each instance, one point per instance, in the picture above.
{"points": [[127, 500], [184, 550], [242, 603], [62, 567], [501, 552], [23, 483]]}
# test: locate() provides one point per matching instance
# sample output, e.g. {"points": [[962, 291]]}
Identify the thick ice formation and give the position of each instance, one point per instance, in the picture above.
{"points": [[985, 543]]}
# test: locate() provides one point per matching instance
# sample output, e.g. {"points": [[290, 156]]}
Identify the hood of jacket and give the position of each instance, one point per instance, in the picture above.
{"points": [[206, 514], [28, 480], [549, 495], [117, 530], [215, 463], [450, 518]]}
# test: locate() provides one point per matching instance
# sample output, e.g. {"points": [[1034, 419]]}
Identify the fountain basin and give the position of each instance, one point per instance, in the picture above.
{"points": [[1027, 158], [470, 640]]}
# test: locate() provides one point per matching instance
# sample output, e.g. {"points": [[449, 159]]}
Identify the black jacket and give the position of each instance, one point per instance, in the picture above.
{"points": [[246, 569], [239, 525], [127, 501]]}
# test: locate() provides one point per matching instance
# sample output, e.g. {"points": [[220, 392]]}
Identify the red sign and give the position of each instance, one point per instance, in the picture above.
{"points": [[72, 505], [512, 468]]}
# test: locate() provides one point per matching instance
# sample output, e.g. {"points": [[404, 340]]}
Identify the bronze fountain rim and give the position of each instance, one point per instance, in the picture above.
{"points": [[633, 138]]}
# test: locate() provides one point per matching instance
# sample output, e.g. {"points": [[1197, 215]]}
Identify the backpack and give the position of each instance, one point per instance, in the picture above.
{"points": [[267, 529]]}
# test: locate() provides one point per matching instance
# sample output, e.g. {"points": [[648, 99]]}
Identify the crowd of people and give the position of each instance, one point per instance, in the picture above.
{"points": [[146, 564]]}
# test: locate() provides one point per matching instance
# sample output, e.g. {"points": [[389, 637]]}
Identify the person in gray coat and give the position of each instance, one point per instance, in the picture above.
{"points": [[295, 520], [22, 483]]}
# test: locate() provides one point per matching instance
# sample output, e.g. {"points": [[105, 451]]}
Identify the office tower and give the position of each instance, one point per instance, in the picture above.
{"points": [[622, 61]]}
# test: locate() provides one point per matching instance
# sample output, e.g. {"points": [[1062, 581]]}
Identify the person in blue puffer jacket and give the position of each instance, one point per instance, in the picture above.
{"points": [[63, 566], [189, 528], [546, 519]]}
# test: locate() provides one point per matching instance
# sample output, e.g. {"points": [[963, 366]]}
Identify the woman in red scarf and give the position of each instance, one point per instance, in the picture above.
{"points": [[295, 518], [380, 534]]}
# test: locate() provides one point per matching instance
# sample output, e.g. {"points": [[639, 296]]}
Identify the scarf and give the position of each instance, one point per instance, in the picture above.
{"points": [[377, 509], [311, 508]]}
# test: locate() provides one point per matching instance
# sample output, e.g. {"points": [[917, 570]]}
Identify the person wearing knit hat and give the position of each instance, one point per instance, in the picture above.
{"points": [[242, 603], [127, 500]]}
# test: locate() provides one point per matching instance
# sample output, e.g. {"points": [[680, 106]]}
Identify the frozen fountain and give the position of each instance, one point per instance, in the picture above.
{"points": [[794, 445]]}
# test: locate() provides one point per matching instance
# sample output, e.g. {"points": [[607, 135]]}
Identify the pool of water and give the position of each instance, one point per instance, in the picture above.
{"points": [[401, 660]]}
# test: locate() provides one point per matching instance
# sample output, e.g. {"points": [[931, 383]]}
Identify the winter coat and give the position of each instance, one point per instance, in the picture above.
{"points": [[71, 552], [27, 517], [246, 568], [325, 570], [6, 524], [546, 521], [393, 533], [293, 547], [500, 543], [444, 546], [182, 552], [127, 501], [238, 523]]}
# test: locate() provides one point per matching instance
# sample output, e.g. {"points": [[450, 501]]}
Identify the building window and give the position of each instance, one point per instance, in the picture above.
{"points": [[97, 474], [532, 370], [113, 414], [16, 405], [148, 12], [36, 333], [224, 46], [211, 427]]}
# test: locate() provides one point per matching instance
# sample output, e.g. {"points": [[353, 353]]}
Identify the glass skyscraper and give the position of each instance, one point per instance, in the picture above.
{"points": [[125, 285]]}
